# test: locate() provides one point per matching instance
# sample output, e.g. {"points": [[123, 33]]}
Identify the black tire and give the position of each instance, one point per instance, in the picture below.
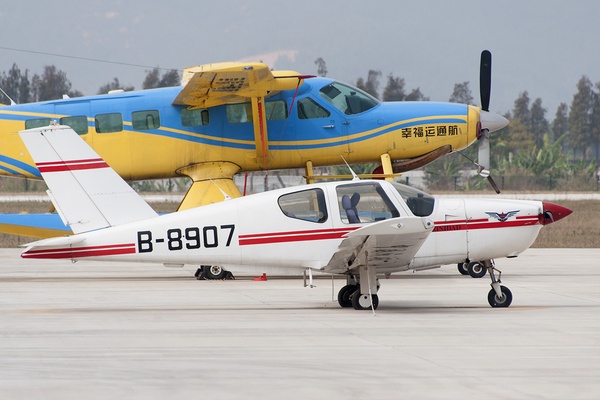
{"points": [[476, 270], [357, 297], [345, 295], [495, 301], [462, 268], [214, 272]]}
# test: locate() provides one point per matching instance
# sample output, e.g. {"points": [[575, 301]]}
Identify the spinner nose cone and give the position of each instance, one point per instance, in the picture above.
{"points": [[553, 212], [492, 121]]}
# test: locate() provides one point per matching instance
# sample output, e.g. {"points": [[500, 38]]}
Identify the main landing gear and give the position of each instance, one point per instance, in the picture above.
{"points": [[360, 291], [475, 269], [212, 272]]}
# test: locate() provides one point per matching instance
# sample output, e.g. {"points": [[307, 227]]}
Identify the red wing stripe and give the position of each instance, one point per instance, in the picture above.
{"points": [[71, 165], [80, 252]]}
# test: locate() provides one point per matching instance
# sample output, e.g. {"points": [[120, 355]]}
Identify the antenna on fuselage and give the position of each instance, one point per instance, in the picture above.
{"points": [[227, 197], [354, 176], [12, 102]]}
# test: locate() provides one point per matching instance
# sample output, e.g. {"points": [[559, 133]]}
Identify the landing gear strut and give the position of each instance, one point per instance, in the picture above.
{"points": [[360, 291], [499, 296]]}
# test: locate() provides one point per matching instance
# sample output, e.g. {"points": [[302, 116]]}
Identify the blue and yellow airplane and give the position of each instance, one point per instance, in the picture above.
{"points": [[228, 118]]}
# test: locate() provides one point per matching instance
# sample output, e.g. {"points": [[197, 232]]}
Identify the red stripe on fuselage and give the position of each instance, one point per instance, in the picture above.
{"points": [[293, 236], [450, 226], [81, 252], [440, 226]]}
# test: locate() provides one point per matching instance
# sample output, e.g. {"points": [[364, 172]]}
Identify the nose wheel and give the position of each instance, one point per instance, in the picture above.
{"points": [[500, 301], [499, 296]]}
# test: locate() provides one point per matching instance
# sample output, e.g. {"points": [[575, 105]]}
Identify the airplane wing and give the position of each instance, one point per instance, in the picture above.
{"points": [[388, 245], [223, 83], [85, 191]]}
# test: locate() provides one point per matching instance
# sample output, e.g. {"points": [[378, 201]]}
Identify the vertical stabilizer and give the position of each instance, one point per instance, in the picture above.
{"points": [[87, 193]]}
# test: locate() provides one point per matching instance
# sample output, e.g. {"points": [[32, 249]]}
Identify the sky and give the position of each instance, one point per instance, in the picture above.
{"points": [[540, 46]]}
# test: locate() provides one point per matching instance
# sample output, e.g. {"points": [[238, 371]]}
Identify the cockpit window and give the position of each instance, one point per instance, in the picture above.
{"points": [[348, 99], [309, 109], [420, 203], [307, 205], [364, 202]]}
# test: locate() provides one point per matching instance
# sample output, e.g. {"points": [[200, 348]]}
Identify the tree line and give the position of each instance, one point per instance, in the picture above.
{"points": [[52, 83]]}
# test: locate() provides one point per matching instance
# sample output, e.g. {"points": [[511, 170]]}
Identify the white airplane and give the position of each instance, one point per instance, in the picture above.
{"points": [[361, 228]]}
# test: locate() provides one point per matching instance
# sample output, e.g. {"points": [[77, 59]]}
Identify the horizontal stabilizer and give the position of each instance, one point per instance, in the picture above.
{"points": [[85, 191], [54, 242]]}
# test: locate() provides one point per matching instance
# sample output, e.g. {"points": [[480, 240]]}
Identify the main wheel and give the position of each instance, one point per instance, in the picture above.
{"points": [[345, 295], [503, 301], [363, 301], [462, 268], [214, 272], [476, 269]]}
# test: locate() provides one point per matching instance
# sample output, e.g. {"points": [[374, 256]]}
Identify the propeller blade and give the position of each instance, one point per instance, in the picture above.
{"points": [[485, 79], [483, 159], [483, 155], [493, 183]]}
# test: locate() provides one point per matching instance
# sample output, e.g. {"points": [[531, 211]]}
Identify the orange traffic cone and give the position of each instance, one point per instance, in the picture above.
{"points": [[261, 278]]}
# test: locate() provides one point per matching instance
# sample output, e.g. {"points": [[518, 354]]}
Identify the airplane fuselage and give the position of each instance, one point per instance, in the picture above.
{"points": [[142, 135], [302, 227]]}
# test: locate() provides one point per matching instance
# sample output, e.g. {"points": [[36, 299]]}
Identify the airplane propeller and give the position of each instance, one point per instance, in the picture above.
{"points": [[490, 122]]}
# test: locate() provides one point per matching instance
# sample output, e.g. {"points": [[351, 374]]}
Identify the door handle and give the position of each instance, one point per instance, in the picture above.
{"points": [[328, 126]]}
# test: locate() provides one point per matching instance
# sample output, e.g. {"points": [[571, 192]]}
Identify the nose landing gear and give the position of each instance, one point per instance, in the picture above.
{"points": [[499, 296]]}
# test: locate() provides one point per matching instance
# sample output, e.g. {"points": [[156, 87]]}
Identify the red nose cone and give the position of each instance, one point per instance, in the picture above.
{"points": [[553, 212]]}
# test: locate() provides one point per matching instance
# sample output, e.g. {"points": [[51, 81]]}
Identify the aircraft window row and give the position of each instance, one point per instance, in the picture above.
{"points": [[349, 100], [307, 205], [364, 202], [309, 109], [242, 112], [113, 122]]}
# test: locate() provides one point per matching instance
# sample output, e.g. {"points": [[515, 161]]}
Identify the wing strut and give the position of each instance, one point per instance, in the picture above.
{"points": [[261, 139]]}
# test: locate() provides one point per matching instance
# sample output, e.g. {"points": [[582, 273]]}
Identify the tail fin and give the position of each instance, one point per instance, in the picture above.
{"points": [[86, 192]]}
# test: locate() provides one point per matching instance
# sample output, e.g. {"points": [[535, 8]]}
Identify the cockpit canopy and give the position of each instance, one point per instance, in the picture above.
{"points": [[348, 99], [420, 203]]}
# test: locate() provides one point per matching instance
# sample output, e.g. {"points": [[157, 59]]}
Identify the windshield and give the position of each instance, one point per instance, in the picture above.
{"points": [[348, 99], [420, 203]]}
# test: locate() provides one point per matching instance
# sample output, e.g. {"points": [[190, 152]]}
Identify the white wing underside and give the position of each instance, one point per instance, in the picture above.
{"points": [[388, 245]]}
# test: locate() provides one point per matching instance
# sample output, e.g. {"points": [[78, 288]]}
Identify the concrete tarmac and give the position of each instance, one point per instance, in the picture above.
{"points": [[132, 331]]}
